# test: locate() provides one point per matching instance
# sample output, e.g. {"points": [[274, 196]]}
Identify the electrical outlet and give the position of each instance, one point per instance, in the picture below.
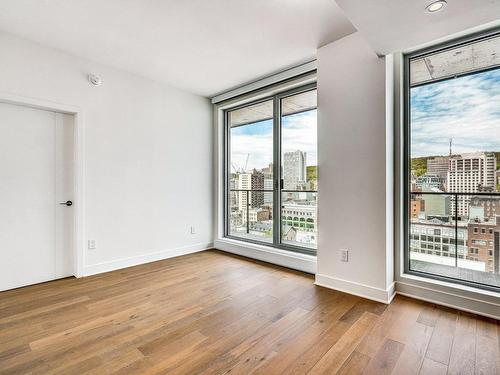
{"points": [[193, 230], [91, 245], [344, 255]]}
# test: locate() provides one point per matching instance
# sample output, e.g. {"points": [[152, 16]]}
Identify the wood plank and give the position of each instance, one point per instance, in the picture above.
{"points": [[439, 348], [411, 359], [463, 352], [386, 358], [430, 367], [213, 313], [333, 360], [355, 364], [487, 347], [361, 307]]}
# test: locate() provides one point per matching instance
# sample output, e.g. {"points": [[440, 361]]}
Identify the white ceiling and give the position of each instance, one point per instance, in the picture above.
{"points": [[203, 46], [395, 25]]}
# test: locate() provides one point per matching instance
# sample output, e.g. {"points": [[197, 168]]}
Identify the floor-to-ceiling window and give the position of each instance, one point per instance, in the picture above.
{"points": [[452, 151], [271, 171]]}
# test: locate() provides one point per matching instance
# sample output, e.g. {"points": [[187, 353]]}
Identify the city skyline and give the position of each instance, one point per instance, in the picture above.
{"points": [[465, 109]]}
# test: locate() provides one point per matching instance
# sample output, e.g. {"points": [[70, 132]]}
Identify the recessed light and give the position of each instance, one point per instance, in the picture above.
{"points": [[435, 6]]}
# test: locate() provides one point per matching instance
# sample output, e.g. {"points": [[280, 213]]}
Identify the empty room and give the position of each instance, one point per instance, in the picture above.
{"points": [[249, 187]]}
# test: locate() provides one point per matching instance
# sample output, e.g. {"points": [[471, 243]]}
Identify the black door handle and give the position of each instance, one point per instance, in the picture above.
{"points": [[67, 203]]}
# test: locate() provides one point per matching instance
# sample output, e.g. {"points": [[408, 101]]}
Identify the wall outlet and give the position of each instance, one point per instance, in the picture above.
{"points": [[344, 255], [193, 230], [91, 245]]}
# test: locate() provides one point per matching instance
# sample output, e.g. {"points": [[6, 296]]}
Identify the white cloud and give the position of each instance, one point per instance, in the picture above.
{"points": [[299, 133], [466, 109]]}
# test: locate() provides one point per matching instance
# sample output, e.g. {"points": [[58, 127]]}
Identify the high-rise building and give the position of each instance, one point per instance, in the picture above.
{"points": [[470, 173], [268, 183], [294, 170], [484, 243], [438, 166], [250, 181], [268, 195]]}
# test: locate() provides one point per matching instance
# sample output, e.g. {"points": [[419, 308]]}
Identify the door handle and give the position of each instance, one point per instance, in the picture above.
{"points": [[67, 203]]}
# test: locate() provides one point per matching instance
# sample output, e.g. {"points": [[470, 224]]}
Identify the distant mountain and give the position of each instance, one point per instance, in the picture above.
{"points": [[312, 173], [419, 165]]}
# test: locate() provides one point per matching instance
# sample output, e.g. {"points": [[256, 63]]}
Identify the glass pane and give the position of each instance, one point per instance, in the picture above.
{"points": [[432, 237], [433, 233], [298, 219], [250, 216], [251, 182], [299, 170], [454, 150], [299, 142]]}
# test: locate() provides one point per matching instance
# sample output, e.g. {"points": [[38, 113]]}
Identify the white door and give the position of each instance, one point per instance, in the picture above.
{"points": [[36, 175]]}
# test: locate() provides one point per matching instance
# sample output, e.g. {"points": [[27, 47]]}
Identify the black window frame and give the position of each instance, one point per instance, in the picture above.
{"points": [[406, 144], [277, 177]]}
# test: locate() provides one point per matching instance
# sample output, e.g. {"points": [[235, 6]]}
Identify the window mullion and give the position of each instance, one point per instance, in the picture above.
{"points": [[276, 170]]}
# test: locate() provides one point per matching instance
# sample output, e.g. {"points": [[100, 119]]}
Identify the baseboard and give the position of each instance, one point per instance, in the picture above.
{"points": [[113, 265], [486, 308], [357, 289], [288, 259]]}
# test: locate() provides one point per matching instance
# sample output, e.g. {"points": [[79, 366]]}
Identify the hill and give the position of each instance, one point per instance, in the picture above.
{"points": [[419, 165], [312, 173]]}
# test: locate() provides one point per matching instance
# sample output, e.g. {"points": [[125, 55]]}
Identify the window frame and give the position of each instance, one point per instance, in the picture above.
{"points": [[277, 188], [406, 144]]}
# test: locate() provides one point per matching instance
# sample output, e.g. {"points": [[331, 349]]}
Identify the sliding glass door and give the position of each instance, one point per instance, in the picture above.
{"points": [[271, 171]]}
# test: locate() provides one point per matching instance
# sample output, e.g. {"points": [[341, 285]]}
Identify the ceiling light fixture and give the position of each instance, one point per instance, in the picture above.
{"points": [[435, 6]]}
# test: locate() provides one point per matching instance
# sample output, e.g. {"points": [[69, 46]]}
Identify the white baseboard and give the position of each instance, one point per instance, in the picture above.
{"points": [[361, 290], [145, 258], [296, 261]]}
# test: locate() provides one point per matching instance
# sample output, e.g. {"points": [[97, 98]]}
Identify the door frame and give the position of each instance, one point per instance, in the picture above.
{"points": [[78, 171]]}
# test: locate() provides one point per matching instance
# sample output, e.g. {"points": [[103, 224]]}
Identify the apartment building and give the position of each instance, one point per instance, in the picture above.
{"points": [[439, 166], [294, 170], [483, 243], [470, 173]]}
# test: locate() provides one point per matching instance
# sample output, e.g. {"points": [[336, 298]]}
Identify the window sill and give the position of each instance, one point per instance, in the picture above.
{"points": [[462, 297], [301, 262]]}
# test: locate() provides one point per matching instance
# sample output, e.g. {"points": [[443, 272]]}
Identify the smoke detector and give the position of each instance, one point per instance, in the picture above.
{"points": [[95, 80]]}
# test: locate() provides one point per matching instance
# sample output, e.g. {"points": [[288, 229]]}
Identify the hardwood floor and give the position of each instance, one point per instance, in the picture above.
{"points": [[211, 313]]}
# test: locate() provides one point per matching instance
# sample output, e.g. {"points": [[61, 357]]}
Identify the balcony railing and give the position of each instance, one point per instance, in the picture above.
{"points": [[250, 203], [456, 213]]}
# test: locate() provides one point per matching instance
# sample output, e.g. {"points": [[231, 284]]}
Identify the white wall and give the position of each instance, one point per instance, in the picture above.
{"points": [[355, 167], [148, 153]]}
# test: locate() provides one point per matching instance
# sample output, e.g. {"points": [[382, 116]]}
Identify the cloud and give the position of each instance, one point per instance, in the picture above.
{"points": [[466, 109], [255, 140], [299, 132]]}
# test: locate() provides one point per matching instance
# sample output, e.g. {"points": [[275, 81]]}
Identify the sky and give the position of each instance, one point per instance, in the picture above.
{"points": [[299, 132], [466, 109]]}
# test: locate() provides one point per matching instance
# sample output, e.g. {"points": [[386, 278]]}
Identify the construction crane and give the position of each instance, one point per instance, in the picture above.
{"points": [[246, 163], [240, 169]]}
